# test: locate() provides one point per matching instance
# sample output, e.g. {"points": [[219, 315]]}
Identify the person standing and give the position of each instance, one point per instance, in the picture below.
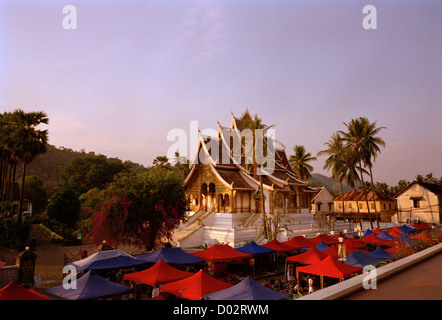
{"points": [[310, 284]]}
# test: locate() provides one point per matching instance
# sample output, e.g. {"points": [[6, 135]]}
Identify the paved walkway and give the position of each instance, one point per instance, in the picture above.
{"points": [[421, 282]]}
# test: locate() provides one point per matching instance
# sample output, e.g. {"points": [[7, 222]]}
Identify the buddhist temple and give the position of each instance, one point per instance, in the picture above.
{"points": [[223, 189]]}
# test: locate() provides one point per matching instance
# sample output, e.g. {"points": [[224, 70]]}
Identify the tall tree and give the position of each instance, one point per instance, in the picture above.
{"points": [[28, 142], [161, 162], [349, 170], [355, 139], [300, 162], [335, 161], [370, 150], [255, 124]]}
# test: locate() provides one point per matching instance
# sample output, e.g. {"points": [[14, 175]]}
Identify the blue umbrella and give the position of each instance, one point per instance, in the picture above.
{"points": [[385, 236], [367, 233], [321, 246], [170, 256], [407, 228], [88, 287], [255, 249], [109, 259], [361, 259], [381, 254], [247, 289]]}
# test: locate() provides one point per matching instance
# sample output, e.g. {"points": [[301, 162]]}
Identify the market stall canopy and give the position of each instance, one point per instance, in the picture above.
{"points": [[367, 233], [332, 250], [396, 229], [278, 246], [385, 236], [170, 256], [221, 252], [299, 242], [395, 233], [311, 256], [195, 287], [321, 246], [247, 289], [90, 286], [373, 239], [324, 238], [159, 273], [377, 231], [407, 228], [255, 249], [109, 259], [381, 254], [421, 226], [14, 291], [361, 259], [331, 267], [355, 243]]}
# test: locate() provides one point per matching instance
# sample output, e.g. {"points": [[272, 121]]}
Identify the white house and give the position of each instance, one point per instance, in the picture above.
{"points": [[323, 202], [420, 201]]}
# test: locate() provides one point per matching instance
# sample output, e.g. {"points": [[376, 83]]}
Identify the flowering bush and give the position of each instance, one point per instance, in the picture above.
{"points": [[139, 209]]}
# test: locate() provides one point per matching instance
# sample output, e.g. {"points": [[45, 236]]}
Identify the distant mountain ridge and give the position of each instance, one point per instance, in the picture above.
{"points": [[47, 166], [331, 184]]}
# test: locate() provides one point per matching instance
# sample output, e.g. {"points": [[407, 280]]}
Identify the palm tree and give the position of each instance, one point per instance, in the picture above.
{"points": [[255, 124], [28, 142], [355, 139], [299, 162], [161, 162], [349, 170], [181, 164], [429, 178], [370, 153], [335, 161]]}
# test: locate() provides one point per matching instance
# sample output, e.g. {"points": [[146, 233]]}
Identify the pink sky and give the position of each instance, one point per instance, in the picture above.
{"points": [[134, 70]]}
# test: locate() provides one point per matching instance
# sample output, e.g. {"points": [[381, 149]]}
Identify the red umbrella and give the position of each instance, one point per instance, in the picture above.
{"points": [[394, 233], [14, 291], [159, 273], [373, 239], [377, 231], [331, 267], [299, 242], [278, 246], [396, 229], [195, 287], [311, 256], [421, 226], [324, 238], [221, 252], [355, 243]]}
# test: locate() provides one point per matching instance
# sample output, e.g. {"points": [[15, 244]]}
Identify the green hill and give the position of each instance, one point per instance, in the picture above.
{"points": [[47, 166], [331, 184]]}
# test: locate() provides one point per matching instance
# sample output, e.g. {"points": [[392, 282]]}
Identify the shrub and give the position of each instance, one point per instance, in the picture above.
{"points": [[12, 235]]}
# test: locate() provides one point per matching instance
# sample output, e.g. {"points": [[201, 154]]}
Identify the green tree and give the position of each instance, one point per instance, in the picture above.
{"points": [[26, 142], [161, 162], [86, 173], [140, 209], [35, 192], [253, 125], [335, 161], [181, 165], [357, 139], [349, 170], [300, 162], [370, 150], [64, 207]]}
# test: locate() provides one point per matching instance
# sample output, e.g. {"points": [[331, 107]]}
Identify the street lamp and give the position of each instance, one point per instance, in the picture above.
{"points": [[341, 248]]}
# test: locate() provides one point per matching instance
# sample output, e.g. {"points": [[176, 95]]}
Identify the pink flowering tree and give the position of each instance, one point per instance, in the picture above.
{"points": [[140, 209]]}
